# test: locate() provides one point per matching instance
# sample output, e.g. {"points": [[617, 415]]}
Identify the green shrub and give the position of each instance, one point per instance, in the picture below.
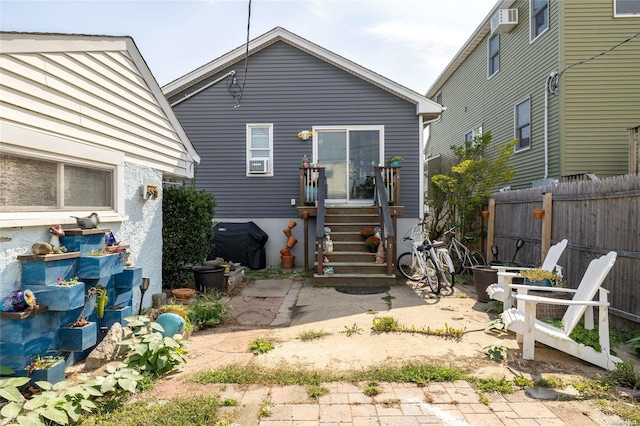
{"points": [[206, 312], [187, 231]]}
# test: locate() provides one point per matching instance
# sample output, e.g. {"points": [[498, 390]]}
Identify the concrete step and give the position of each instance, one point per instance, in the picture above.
{"points": [[357, 267]]}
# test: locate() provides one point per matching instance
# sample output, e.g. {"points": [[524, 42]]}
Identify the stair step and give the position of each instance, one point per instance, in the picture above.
{"points": [[350, 256], [357, 267]]}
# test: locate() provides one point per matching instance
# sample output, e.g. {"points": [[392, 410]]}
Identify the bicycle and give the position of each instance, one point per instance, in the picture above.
{"points": [[420, 264], [463, 258]]}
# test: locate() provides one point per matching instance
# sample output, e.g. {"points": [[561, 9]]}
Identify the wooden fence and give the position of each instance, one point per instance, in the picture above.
{"points": [[594, 216]]}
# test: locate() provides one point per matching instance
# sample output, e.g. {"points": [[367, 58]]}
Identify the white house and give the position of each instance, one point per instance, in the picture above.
{"points": [[83, 127]]}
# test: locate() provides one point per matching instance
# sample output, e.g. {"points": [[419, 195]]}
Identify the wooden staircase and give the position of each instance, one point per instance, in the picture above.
{"points": [[353, 264]]}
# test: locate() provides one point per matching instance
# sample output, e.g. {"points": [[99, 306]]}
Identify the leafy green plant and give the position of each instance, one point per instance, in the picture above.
{"points": [[149, 351], [385, 324], [230, 402], [551, 382], [496, 325], [493, 306], [491, 385], [625, 375], [260, 346], [372, 389], [635, 345], [496, 351], [460, 194], [207, 312], [522, 381], [187, 231], [388, 324], [316, 391]]}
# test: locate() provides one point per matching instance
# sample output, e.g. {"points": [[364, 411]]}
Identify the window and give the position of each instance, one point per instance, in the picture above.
{"points": [[523, 125], [472, 135], [539, 17], [34, 184], [259, 149], [626, 8], [494, 54], [439, 98]]}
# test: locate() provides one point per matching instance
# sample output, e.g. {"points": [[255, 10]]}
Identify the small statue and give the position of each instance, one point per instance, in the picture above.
{"points": [[56, 232], [18, 301], [380, 254], [41, 248]]}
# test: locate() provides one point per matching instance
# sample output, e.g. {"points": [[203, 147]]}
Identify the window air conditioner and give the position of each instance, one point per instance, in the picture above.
{"points": [[259, 166], [504, 21]]}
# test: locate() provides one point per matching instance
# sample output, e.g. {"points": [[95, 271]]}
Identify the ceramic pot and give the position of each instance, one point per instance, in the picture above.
{"points": [[292, 224], [183, 293], [485, 214], [538, 213], [287, 262], [285, 252], [305, 214], [291, 242], [287, 232]]}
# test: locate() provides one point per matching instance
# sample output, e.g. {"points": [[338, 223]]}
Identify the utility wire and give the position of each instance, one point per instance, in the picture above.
{"points": [[553, 81], [246, 59], [601, 53]]}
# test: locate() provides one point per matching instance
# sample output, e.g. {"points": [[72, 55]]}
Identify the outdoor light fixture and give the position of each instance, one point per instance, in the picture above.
{"points": [[143, 288]]}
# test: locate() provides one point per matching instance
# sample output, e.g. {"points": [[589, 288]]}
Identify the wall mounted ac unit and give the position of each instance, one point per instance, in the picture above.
{"points": [[504, 21], [260, 166]]}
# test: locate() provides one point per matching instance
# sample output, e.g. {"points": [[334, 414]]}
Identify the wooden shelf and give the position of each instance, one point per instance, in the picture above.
{"points": [[24, 314], [78, 231], [48, 257]]}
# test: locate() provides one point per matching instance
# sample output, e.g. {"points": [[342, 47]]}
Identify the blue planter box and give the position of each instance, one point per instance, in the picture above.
{"points": [[122, 298], [53, 374], [97, 266], [47, 272], [17, 355], [60, 297], [27, 328], [129, 278], [83, 243], [112, 316], [119, 263], [77, 339]]}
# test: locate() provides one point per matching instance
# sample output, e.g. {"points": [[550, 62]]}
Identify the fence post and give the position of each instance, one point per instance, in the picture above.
{"points": [[545, 238], [491, 237]]}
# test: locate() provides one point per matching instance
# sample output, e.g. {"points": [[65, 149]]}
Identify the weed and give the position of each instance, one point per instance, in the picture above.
{"points": [[306, 336], [551, 382], [462, 296], [388, 298], [264, 411], [491, 385], [625, 375], [496, 325], [260, 346], [391, 402], [350, 331], [230, 402], [388, 324], [371, 312], [316, 391], [207, 312], [493, 306], [496, 351], [483, 400], [372, 389], [522, 381]]}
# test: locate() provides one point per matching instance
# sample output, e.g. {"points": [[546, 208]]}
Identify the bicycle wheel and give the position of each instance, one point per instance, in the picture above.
{"points": [[476, 258], [447, 272], [408, 266], [432, 276]]}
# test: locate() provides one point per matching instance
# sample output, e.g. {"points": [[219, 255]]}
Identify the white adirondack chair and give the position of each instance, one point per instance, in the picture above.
{"points": [[497, 291], [523, 322]]}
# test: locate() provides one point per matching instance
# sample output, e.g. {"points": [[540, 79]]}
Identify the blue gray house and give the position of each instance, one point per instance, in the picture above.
{"points": [[298, 100]]}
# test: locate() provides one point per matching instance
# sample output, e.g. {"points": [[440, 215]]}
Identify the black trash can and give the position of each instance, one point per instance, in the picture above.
{"points": [[209, 278], [240, 243]]}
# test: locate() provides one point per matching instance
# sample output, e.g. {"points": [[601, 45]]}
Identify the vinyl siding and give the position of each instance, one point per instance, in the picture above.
{"points": [[601, 98], [97, 97], [472, 99], [294, 91]]}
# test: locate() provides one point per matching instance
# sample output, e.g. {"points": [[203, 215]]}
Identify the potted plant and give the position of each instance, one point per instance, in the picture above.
{"points": [[367, 232], [372, 242], [305, 162], [394, 161], [540, 277], [48, 368]]}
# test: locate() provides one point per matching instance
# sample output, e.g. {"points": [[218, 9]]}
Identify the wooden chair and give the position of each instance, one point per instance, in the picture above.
{"points": [[523, 322], [497, 291]]}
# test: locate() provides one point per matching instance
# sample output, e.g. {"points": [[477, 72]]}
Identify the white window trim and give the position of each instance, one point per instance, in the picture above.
{"points": [[623, 15], [476, 131], [515, 125], [489, 75], [435, 98], [531, 38], [248, 150], [27, 142], [379, 128]]}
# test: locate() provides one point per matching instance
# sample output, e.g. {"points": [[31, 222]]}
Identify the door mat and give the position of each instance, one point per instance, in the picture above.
{"points": [[363, 290]]}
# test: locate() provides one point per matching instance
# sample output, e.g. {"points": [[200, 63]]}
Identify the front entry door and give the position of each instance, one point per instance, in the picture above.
{"points": [[349, 157]]}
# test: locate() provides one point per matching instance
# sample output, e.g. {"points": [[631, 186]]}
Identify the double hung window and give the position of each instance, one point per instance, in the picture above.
{"points": [[539, 17], [494, 54], [523, 125], [259, 149]]}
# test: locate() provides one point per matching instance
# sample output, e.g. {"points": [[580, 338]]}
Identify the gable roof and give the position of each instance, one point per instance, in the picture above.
{"points": [[469, 46], [425, 107], [104, 86]]}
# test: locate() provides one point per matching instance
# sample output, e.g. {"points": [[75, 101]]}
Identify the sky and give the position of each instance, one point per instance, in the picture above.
{"points": [[407, 41]]}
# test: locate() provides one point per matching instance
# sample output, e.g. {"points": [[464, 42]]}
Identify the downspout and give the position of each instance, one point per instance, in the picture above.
{"points": [[206, 86], [423, 146], [549, 88]]}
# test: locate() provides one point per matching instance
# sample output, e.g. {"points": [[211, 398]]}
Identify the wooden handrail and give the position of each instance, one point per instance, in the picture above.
{"points": [[386, 221]]}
